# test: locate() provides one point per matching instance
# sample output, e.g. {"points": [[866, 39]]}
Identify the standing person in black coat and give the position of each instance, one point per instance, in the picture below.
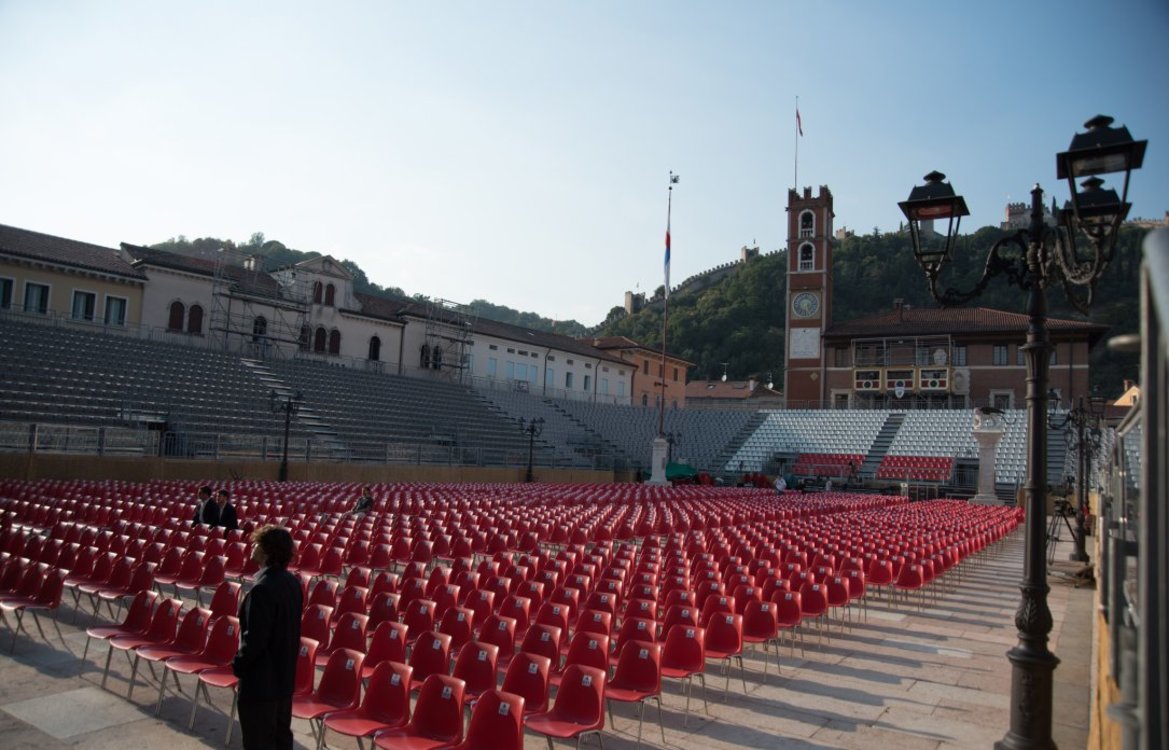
{"points": [[207, 512], [269, 640], [226, 511]]}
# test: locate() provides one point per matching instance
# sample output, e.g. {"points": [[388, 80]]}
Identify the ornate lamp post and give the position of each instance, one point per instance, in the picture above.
{"points": [[1086, 421], [533, 427], [1032, 259], [290, 405]]}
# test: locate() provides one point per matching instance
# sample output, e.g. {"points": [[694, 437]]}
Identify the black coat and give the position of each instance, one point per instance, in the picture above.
{"points": [[227, 518], [208, 513], [269, 637]]}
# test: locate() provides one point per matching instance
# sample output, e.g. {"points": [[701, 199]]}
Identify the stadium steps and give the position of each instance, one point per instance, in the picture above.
{"points": [[881, 444], [724, 456], [322, 433]]}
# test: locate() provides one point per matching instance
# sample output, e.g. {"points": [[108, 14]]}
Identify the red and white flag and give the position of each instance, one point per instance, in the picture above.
{"points": [[799, 122]]}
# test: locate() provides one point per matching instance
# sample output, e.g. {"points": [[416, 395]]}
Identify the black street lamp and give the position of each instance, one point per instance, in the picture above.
{"points": [[671, 438], [1087, 421], [290, 405], [533, 427], [1032, 259]]}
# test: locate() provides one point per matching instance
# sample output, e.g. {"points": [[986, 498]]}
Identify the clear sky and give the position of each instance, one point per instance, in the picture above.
{"points": [[520, 151]]}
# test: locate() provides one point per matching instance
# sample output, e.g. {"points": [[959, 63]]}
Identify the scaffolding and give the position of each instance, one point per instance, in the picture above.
{"points": [[449, 330], [254, 313]]}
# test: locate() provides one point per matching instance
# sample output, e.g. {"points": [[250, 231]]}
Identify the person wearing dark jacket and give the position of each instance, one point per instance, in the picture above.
{"points": [[207, 512], [226, 511], [269, 640]]}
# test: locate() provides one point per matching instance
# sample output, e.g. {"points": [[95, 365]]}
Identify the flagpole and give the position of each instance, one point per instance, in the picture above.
{"points": [[666, 307]]}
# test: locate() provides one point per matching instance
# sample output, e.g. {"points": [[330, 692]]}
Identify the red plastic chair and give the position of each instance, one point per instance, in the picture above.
{"points": [[527, 676], [636, 679], [221, 645], [496, 723], [163, 625], [724, 642], [636, 629], [339, 690], [585, 648], [431, 655], [225, 600], [518, 608], [543, 640], [579, 708], [189, 639], [500, 632], [761, 626], [476, 667], [314, 622], [457, 622], [349, 633], [814, 604], [388, 643], [419, 617], [789, 613], [136, 622], [46, 599], [386, 704], [383, 607], [437, 720], [684, 658]]}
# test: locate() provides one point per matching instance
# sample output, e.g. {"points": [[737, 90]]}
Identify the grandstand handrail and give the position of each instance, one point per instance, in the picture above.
{"points": [[43, 437]]}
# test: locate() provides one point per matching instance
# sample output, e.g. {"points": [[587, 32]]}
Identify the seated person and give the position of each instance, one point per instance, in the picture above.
{"points": [[225, 511], [364, 504], [207, 511]]}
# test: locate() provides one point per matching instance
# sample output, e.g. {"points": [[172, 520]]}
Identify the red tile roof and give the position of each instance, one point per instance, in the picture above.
{"points": [[44, 247], [925, 321]]}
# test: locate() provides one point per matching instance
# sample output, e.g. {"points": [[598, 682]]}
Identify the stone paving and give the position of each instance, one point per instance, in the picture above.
{"points": [[926, 675]]}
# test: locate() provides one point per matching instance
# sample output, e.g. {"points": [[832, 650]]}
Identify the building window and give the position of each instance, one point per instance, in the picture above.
{"points": [[675, 374], [1002, 399], [436, 358], [999, 355], [334, 341], [115, 311], [588, 382], [605, 386], [330, 295], [317, 289], [36, 298], [5, 294], [493, 347], [551, 358], [1020, 357], [178, 316], [807, 224], [841, 356], [259, 328], [568, 381], [1054, 360], [645, 367], [549, 377], [492, 366], [644, 399], [620, 388], [424, 358], [807, 257], [195, 319], [375, 348], [306, 336], [960, 356], [320, 339], [84, 305]]}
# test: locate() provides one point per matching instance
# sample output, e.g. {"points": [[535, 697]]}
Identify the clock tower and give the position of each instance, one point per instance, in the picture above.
{"points": [[809, 296]]}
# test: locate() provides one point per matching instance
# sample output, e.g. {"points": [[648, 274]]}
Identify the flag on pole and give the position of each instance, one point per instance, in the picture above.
{"points": [[799, 122], [667, 258]]}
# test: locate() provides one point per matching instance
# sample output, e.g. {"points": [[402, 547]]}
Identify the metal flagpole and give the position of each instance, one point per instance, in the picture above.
{"points": [[666, 308]]}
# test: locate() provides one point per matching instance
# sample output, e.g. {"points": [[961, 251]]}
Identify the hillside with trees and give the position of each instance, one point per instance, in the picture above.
{"points": [[740, 320]]}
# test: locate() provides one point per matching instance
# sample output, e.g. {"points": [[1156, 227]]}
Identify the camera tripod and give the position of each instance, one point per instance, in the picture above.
{"points": [[1064, 512]]}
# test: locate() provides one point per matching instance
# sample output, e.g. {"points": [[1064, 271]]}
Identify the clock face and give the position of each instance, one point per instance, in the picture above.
{"points": [[805, 305]]}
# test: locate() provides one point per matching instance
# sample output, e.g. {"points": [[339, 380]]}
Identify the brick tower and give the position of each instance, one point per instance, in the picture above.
{"points": [[809, 295]]}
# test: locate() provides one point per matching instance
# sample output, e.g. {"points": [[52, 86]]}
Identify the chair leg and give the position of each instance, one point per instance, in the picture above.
{"points": [[133, 675], [199, 686], [661, 726], [106, 672], [231, 719]]}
